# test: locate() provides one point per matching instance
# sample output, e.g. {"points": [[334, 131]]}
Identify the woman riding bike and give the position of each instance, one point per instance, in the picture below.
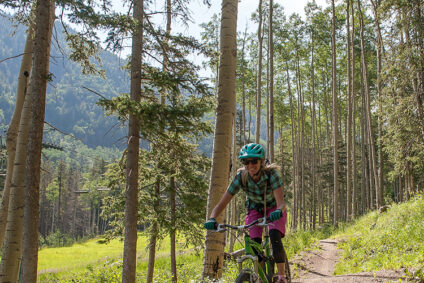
{"points": [[264, 196]]}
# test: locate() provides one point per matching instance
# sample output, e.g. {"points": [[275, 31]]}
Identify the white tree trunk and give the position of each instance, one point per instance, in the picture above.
{"points": [[12, 246], [42, 40], [12, 132], [214, 243], [259, 78]]}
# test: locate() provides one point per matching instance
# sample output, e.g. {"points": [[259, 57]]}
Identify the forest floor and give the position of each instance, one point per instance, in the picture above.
{"points": [[318, 266]]}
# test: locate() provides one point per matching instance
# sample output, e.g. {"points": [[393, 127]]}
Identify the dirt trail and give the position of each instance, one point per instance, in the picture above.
{"points": [[318, 266]]}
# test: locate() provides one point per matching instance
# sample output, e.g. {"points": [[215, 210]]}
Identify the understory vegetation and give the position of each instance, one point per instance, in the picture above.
{"points": [[376, 241], [389, 240]]}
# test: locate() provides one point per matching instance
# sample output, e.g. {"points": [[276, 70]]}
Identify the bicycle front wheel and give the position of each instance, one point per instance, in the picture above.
{"points": [[247, 276]]}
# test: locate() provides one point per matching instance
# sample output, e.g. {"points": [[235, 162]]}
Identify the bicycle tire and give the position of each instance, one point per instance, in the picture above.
{"points": [[270, 275], [287, 269], [247, 276], [271, 272]]}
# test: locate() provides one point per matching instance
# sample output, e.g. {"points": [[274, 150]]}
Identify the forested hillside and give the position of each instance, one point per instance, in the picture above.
{"points": [[71, 108]]}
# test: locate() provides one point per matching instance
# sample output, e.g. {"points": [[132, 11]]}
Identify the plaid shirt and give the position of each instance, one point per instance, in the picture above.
{"points": [[255, 191]]}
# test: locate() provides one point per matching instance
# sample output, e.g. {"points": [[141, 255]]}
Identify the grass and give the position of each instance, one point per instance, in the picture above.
{"points": [[95, 262], [67, 264], [390, 240], [64, 258]]}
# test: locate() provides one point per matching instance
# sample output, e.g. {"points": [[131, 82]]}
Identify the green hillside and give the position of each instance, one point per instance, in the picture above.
{"points": [[388, 240], [70, 107]]}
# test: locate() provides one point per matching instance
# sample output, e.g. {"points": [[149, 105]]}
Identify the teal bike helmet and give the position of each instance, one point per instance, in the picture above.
{"points": [[252, 150]]}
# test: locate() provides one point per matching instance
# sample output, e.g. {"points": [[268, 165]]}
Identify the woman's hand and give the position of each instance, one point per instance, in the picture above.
{"points": [[211, 224], [275, 215]]}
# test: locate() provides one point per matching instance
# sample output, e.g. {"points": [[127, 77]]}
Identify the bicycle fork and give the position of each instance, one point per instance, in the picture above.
{"points": [[249, 255]]}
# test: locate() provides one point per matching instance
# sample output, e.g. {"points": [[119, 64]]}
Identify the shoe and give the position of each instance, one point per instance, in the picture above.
{"points": [[281, 280]]}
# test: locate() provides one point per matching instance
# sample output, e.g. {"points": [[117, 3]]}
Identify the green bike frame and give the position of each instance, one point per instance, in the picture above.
{"points": [[250, 245]]}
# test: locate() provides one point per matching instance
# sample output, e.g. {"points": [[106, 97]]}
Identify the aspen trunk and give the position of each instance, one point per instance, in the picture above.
{"points": [[349, 119], [301, 120], [379, 94], [233, 203], [313, 133], [378, 193], [259, 78], [12, 246], [45, 15], [243, 87], [214, 243], [294, 146], [271, 84], [335, 123], [352, 95], [12, 132]]}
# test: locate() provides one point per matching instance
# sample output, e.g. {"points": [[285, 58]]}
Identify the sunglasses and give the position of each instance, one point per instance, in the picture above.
{"points": [[250, 161]]}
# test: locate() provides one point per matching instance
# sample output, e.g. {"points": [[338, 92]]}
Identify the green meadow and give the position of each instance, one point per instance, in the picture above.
{"points": [[390, 240]]}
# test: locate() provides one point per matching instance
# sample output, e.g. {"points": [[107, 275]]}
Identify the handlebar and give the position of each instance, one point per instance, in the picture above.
{"points": [[263, 221]]}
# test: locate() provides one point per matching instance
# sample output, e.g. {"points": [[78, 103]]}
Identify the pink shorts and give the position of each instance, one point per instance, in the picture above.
{"points": [[256, 231]]}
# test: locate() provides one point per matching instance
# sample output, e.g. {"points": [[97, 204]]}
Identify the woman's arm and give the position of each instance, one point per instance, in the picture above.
{"points": [[279, 197], [225, 199]]}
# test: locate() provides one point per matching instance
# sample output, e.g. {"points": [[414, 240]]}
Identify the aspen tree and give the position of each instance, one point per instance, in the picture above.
{"points": [[335, 121], [45, 16], [214, 243]]}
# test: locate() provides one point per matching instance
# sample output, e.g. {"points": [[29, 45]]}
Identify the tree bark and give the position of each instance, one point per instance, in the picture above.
{"points": [[335, 123], [378, 194], [314, 200], [29, 194], [271, 83], [131, 192], [172, 197], [12, 132], [233, 203], [214, 243], [12, 245], [352, 95], [243, 92], [349, 117], [293, 139], [259, 78], [153, 236], [380, 52], [301, 142]]}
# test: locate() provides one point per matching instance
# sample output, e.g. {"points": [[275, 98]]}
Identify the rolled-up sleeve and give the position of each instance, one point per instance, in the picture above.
{"points": [[235, 184], [276, 181]]}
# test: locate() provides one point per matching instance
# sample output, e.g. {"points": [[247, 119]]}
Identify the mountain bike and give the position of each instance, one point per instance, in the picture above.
{"points": [[261, 272]]}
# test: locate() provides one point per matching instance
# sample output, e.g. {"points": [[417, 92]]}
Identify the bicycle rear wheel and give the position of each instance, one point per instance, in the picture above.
{"points": [[247, 276]]}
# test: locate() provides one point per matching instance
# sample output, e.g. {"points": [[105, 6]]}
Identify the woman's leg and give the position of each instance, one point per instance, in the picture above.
{"points": [[278, 250]]}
